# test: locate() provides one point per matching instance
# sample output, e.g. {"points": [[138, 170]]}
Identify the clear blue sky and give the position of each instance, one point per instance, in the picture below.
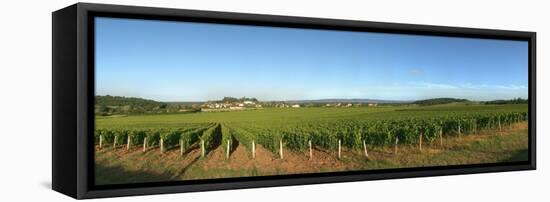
{"points": [[178, 61]]}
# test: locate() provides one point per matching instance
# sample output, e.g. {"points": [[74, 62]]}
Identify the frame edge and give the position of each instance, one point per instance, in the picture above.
{"points": [[83, 190], [64, 158]]}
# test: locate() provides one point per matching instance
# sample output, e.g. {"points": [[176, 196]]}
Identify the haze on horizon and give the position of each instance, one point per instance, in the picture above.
{"points": [[179, 61]]}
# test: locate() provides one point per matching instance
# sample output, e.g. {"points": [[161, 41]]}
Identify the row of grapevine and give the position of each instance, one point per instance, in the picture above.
{"points": [[242, 136], [209, 138], [166, 138], [189, 137], [352, 133], [330, 135], [226, 139]]}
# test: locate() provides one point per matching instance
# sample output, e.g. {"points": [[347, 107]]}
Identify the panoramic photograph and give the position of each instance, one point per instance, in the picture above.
{"points": [[177, 101]]}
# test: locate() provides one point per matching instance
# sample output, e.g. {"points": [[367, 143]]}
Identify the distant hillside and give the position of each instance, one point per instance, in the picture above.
{"points": [[512, 101], [108, 105], [123, 101], [348, 101], [436, 101]]}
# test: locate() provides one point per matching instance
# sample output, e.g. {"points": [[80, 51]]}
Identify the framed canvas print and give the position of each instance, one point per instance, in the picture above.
{"points": [[155, 100]]}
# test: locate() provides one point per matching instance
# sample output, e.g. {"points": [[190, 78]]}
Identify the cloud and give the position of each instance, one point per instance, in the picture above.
{"points": [[486, 86], [511, 87], [430, 85], [425, 90]]}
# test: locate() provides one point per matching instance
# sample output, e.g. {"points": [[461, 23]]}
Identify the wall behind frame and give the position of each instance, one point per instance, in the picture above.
{"points": [[25, 83]]}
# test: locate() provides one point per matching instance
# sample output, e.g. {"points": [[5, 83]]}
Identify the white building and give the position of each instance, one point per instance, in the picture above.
{"points": [[296, 106]]}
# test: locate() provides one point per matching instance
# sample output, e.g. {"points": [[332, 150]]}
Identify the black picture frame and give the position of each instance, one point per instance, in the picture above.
{"points": [[73, 98]]}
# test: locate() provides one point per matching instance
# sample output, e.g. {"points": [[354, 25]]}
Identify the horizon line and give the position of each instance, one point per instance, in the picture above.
{"points": [[376, 99]]}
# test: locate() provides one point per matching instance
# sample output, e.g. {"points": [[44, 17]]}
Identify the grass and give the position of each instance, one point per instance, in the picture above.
{"points": [[471, 149], [297, 115]]}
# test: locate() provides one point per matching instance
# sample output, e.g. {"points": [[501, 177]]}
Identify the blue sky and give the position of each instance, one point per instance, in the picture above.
{"points": [[180, 61]]}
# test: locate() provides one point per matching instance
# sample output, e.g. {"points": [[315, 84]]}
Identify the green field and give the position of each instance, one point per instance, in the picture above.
{"points": [[297, 115], [207, 144]]}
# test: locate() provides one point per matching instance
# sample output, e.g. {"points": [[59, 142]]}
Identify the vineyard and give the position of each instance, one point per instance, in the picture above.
{"points": [[328, 130]]}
